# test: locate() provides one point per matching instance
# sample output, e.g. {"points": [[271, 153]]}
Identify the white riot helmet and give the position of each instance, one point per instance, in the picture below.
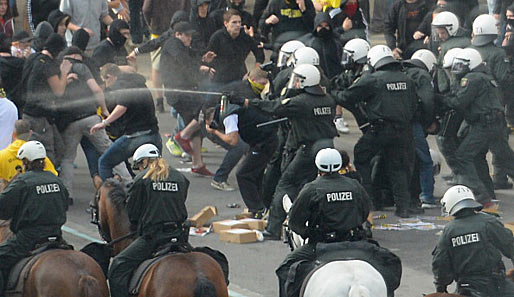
{"points": [[147, 150], [304, 76], [485, 30], [355, 51], [426, 57], [450, 56], [328, 160], [380, 55], [436, 161], [457, 198], [448, 21], [466, 60], [287, 50], [304, 55], [31, 150]]}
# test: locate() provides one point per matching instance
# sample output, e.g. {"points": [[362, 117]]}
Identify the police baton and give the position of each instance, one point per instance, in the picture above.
{"points": [[271, 122]]}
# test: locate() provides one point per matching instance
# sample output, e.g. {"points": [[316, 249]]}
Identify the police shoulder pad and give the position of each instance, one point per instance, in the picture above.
{"points": [[463, 82], [284, 101]]}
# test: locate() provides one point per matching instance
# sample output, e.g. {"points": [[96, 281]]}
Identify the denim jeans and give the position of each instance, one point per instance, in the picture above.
{"points": [[92, 155], [122, 149], [232, 157], [426, 170]]}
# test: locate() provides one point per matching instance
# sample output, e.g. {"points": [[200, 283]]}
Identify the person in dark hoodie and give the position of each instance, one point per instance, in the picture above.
{"points": [[349, 20], [43, 30], [287, 15], [203, 24], [112, 49], [59, 21], [45, 82], [10, 73], [326, 43], [246, 18]]}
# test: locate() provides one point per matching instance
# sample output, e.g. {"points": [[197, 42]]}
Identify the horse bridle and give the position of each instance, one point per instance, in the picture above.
{"points": [[95, 219]]}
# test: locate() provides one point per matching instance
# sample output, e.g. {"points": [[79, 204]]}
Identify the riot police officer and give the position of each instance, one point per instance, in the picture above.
{"points": [[478, 99], [485, 32], [334, 206], [391, 101], [156, 207], [310, 112], [36, 204], [470, 248]]}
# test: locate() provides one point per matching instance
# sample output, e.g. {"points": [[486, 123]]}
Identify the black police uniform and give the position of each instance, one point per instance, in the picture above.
{"points": [[470, 252], [312, 129], [158, 210], [390, 105], [263, 142], [478, 100], [335, 208], [36, 203]]}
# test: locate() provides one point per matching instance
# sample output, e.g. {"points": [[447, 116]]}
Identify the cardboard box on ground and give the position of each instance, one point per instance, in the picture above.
{"points": [[243, 230]]}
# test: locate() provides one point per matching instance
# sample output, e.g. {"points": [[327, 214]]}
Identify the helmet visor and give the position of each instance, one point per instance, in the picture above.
{"points": [[296, 81], [282, 58], [347, 58], [460, 66]]}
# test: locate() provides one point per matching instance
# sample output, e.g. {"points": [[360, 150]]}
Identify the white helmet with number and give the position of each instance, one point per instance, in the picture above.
{"points": [[447, 20], [31, 150], [287, 50], [457, 198], [380, 55], [485, 30], [304, 55], [304, 76], [147, 150], [466, 60], [427, 57], [328, 160], [450, 56], [355, 51]]}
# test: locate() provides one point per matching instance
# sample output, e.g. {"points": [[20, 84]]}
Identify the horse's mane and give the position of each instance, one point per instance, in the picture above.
{"points": [[117, 193]]}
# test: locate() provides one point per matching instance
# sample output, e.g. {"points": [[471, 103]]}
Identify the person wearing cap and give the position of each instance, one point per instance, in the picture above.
{"points": [[156, 210], [182, 69], [20, 45], [331, 208], [36, 204], [10, 166], [470, 248], [44, 85], [112, 49]]}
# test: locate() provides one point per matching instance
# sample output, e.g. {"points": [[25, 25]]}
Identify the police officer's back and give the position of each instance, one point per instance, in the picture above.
{"points": [[470, 248], [36, 203]]}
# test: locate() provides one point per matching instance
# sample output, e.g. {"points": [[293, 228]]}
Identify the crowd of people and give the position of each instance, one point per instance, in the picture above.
{"points": [[445, 70]]}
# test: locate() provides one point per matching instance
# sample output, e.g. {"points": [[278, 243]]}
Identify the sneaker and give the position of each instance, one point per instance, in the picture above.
{"points": [[222, 186], [270, 236], [185, 144], [201, 171], [173, 148], [429, 205], [341, 126]]}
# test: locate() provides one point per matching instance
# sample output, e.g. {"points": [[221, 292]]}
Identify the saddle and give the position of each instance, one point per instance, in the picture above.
{"points": [[171, 248], [20, 272]]}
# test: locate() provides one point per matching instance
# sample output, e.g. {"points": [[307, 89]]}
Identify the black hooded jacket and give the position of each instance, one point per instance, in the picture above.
{"points": [[112, 50], [55, 17], [338, 16], [328, 46], [204, 27]]}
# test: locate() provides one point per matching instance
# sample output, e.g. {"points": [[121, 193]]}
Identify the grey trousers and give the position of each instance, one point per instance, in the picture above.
{"points": [[49, 136]]}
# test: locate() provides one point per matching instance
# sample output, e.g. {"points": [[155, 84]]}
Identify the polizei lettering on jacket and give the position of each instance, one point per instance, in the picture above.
{"points": [[397, 86], [47, 189], [339, 196], [465, 239], [165, 186], [322, 111]]}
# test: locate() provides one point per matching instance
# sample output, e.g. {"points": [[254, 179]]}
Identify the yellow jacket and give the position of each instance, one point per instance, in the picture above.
{"points": [[9, 162]]}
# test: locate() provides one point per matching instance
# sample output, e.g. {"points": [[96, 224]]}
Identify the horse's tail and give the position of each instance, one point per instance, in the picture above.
{"points": [[358, 290], [204, 288], [89, 286]]}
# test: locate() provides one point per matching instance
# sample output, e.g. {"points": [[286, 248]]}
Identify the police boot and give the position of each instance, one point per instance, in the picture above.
{"points": [[159, 105]]}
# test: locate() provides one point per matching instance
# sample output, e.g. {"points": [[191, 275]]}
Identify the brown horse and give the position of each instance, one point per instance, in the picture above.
{"points": [[62, 273], [175, 275]]}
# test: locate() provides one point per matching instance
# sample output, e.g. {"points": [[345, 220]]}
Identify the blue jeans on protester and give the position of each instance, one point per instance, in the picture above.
{"points": [[426, 170], [92, 156], [122, 149]]}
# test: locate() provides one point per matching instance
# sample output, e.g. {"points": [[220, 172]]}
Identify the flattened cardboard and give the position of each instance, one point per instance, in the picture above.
{"points": [[255, 224], [238, 236], [203, 216], [228, 224]]}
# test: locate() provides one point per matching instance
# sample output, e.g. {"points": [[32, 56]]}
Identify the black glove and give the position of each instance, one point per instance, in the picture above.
{"points": [[234, 98]]}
